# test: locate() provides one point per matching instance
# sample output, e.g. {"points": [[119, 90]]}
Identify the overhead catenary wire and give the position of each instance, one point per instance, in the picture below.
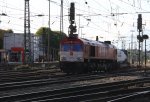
{"points": [[102, 11]]}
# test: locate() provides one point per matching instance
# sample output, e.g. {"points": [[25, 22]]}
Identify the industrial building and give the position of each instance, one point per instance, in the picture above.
{"points": [[13, 48]]}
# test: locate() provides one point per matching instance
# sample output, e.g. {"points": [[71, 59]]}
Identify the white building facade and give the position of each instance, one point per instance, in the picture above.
{"points": [[14, 46]]}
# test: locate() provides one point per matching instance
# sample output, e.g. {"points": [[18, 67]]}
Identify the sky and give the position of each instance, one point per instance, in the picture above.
{"points": [[114, 20]]}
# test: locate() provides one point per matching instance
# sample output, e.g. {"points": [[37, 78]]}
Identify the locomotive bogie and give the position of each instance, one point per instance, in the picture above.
{"points": [[72, 67], [89, 65]]}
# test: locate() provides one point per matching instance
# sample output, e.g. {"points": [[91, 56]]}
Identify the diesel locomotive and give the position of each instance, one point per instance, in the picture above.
{"points": [[78, 55]]}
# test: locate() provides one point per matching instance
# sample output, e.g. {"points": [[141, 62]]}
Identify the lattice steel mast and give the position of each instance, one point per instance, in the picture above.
{"points": [[27, 34]]}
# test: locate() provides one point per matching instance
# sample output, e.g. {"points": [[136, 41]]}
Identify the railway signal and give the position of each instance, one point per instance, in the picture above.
{"points": [[139, 37], [72, 26], [72, 13], [139, 22]]}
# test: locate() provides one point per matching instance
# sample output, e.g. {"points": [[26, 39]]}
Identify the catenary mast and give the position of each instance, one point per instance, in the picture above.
{"points": [[27, 35]]}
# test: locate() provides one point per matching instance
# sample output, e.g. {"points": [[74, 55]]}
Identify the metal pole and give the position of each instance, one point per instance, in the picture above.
{"points": [[142, 57], [27, 35], [48, 48], [43, 45], [132, 47], [62, 15], [61, 19], [5, 47], [129, 53], [79, 25], [145, 53], [5, 42], [139, 49]]}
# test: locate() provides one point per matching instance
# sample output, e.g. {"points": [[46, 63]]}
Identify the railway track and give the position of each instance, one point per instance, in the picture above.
{"points": [[88, 93], [50, 78], [54, 80], [15, 76], [58, 88], [143, 96]]}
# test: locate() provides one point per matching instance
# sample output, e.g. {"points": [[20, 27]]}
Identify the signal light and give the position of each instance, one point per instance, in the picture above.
{"points": [[72, 12], [139, 22], [140, 38], [74, 29]]}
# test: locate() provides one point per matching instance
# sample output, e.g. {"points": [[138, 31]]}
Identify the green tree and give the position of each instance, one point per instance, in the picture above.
{"points": [[2, 32], [54, 36]]}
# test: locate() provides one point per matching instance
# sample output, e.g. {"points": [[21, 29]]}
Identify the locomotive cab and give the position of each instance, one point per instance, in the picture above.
{"points": [[71, 55], [71, 51]]}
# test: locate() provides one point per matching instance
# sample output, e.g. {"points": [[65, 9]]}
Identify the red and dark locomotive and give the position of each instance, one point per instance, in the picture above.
{"points": [[79, 55]]}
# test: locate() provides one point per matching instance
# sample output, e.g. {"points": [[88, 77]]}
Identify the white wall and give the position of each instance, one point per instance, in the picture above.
{"points": [[17, 40]]}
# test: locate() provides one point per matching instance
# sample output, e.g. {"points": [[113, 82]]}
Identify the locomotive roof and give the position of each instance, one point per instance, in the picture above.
{"points": [[95, 43]]}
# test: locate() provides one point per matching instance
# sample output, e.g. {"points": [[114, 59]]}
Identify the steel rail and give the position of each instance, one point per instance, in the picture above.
{"points": [[103, 87], [57, 80], [88, 94]]}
